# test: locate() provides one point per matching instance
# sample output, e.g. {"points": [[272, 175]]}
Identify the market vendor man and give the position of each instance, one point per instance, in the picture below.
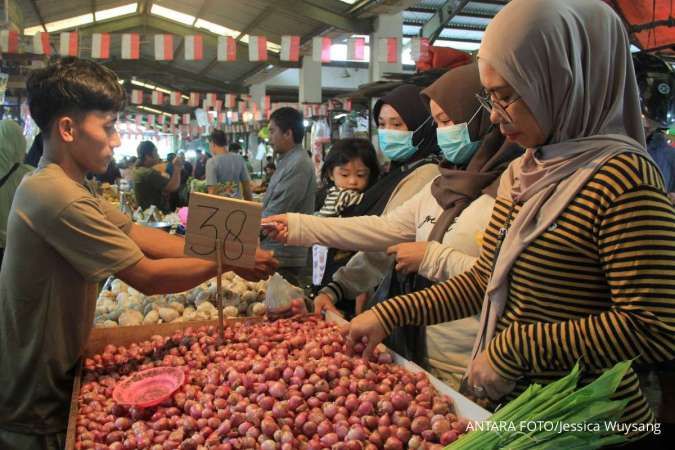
{"points": [[63, 241]]}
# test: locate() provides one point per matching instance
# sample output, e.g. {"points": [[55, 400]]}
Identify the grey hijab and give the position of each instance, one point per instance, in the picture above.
{"points": [[570, 61]]}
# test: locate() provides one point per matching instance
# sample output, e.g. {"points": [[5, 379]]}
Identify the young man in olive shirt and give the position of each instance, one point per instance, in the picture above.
{"points": [[63, 241]]}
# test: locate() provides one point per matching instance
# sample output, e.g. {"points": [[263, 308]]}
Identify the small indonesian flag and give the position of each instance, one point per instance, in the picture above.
{"points": [[265, 103], [242, 107], [131, 46], [321, 49], [68, 44], [230, 101], [219, 105], [161, 119], [194, 47], [100, 45], [419, 48], [257, 48], [41, 44], [227, 48], [163, 47], [387, 50], [222, 117], [194, 99], [290, 48], [157, 98], [210, 100], [137, 96], [174, 119], [9, 41], [151, 120], [175, 98], [186, 119], [235, 116], [139, 119], [356, 49]]}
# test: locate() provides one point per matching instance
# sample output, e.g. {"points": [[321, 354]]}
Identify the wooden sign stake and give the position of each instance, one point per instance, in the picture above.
{"points": [[219, 290]]}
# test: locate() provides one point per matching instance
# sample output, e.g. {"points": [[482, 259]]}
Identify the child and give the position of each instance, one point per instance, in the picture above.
{"points": [[349, 170]]}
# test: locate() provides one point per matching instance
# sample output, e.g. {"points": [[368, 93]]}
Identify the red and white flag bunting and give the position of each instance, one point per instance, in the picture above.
{"points": [[100, 45], [194, 99], [157, 98], [174, 119], [137, 96], [151, 120], [163, 47], [41, 44], [356, 49], [9, 41], [257, 48], [227, 48], [194, 47], [265, 103], [419, 48], [186, 119], [387, 50], [222, 117], [210, 101], [138, 119], [131, 46], [242, 108], [290, 48], [321, 49], [219, 105], [161, 118], [230, 101], [68, 44], [175, 98]]}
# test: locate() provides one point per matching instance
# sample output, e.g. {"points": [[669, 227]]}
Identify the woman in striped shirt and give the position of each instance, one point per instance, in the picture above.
{"points": [[578, 259]]}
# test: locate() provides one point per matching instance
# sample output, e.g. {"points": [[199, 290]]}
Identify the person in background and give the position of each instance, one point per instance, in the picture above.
{"points": [[12, 171], [187, 168], [200, 165], [62, 241], [269, 170], [35, 152], [226, 173], [292, 188], [111, 175], [349, 170], [656, 80], [247, 160], [150, 186], [127, 169]]}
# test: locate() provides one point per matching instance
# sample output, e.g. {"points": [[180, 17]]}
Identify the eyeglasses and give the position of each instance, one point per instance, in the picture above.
{"points": [[488, 104]]}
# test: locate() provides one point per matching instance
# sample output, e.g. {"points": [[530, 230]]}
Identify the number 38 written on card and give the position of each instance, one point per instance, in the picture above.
{"points": [[235, 223]]}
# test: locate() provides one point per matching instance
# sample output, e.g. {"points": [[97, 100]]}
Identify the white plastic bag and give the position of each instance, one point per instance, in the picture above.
{"points": [[282, 299]]}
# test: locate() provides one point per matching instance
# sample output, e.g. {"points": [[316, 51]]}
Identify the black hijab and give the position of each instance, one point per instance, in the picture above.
{"points": [[407, 102]]}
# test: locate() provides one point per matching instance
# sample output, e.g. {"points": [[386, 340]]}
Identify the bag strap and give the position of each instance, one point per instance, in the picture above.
{"points": [[9, 174]]}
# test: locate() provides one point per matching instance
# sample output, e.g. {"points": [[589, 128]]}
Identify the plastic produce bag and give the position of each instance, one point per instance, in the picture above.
{"points": [[282, 299]]}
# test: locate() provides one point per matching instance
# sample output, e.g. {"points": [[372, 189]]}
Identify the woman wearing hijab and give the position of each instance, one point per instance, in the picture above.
{"points": [[12, 153], [433, 235], [579, 256]]}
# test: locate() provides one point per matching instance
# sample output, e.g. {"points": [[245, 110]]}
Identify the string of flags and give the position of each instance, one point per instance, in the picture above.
{"points": [[164, 46]]}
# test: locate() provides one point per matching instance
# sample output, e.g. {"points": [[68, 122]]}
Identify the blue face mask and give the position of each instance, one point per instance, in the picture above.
{"points": [[456, 144], [396, 145]]}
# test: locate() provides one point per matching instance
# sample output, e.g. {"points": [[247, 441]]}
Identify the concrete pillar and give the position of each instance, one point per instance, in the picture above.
{"points": [[386, 26], [257, 93], [310, 81]]}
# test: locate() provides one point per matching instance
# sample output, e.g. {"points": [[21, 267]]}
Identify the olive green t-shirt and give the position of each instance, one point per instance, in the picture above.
{"points": [[149, 186], [62, 241]]}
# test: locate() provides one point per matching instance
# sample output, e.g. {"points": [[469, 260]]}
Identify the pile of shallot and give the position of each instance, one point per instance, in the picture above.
{"points": [[290, 384]]}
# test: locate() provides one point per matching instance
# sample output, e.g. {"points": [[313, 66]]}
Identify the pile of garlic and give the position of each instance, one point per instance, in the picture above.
{"points": [[122, 305]]}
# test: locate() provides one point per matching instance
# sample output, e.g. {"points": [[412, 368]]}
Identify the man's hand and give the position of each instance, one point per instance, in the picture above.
{"points": [[177, 163], [408, 256], [365, 325], [484, 380], [276, 227], [265, 265], [322, 302], [361, 300]]}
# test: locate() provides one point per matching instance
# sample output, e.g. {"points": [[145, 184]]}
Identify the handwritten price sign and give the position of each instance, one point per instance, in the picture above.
{"points": [[236, 223]]}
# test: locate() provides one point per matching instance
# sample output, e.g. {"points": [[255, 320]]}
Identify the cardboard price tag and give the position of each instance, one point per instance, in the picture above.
{"points": [[234, 222]]}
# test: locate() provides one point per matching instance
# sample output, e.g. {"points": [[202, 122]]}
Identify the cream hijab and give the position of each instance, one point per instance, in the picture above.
{"points": [[570, 62]]}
